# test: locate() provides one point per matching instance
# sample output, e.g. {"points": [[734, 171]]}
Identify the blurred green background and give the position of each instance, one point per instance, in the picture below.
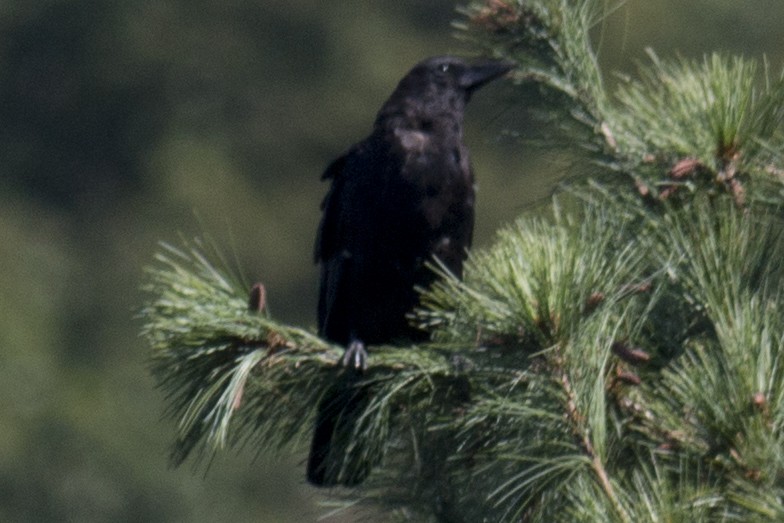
{"points": [[126, 123]]}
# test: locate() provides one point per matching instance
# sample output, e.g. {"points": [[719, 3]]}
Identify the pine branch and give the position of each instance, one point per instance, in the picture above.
{"points": [[618, 360], [230, 370], [207, 344], [681, 125]]}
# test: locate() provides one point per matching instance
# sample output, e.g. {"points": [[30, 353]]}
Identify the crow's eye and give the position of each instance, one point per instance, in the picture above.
{"points": [[444, 68]]}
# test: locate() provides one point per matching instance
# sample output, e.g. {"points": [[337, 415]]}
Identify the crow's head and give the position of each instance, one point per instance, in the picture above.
{"points": [[451, 73], [442, 84]]}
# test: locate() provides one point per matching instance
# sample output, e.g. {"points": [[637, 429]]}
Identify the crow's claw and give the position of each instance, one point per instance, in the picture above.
{"points": [[355, 356]]}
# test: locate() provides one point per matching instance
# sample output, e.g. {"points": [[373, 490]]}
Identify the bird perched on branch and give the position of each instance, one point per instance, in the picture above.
{"points": [[398, 199]]}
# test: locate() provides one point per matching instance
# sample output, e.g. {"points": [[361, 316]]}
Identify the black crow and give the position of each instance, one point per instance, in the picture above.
{"points": [[400, 198]]}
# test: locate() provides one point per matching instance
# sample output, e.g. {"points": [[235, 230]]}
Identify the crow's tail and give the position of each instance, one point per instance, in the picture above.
{"points": [[338, 454]]}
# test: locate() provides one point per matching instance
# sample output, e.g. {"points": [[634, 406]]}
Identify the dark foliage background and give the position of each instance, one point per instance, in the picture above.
{"points": [[126, 123]]}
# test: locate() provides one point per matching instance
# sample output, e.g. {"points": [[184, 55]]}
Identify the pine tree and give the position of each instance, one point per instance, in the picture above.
{"points": [[620, 359]]}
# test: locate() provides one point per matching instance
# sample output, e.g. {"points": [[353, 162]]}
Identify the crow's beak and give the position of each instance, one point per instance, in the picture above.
{"points": [[479, 74]]}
